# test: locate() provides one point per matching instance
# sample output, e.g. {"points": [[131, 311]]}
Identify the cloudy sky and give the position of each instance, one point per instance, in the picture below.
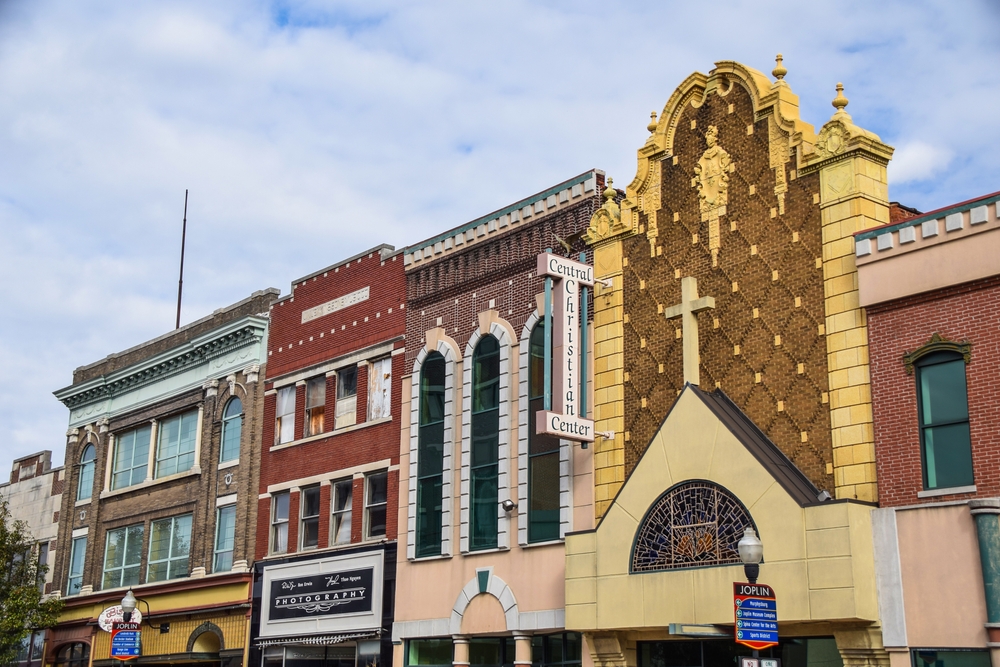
{"points": [[307, 132]]}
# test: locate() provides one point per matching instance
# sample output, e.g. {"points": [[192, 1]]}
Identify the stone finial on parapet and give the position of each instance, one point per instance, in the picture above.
{"points": [[779, 70]]}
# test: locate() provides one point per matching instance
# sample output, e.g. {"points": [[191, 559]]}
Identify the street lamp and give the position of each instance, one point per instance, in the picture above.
{"points": [[751, 553], [129, 602]]}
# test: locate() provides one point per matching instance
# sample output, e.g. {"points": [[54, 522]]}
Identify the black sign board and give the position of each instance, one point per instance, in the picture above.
{"points": [[331, 594]]}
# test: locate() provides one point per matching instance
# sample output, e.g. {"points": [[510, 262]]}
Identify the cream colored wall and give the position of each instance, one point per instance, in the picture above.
{"points": [[818, 559], [942, 577]]}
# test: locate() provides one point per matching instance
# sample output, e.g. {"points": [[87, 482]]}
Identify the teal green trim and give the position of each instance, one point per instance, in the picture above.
{"points": [[547, 400], [988, 531], [484, 580], [933, 215]]}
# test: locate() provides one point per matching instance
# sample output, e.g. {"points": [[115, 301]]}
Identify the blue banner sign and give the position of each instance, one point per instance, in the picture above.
{"points": [[756, 615]]}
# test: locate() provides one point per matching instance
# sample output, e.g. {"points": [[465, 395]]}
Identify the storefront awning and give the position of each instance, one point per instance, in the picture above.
{"points": [[318, 640]]}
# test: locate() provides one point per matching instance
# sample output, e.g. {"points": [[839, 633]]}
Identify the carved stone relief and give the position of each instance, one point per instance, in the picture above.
{"points": [[712, 180]]}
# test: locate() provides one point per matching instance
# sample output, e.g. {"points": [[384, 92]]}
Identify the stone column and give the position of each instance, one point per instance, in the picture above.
{"points": [[461, 658], [985, 512], [862, 647], [522, 650]]}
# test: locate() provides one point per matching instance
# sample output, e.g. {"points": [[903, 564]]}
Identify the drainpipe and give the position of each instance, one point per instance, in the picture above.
{"points": [[985, 512]]}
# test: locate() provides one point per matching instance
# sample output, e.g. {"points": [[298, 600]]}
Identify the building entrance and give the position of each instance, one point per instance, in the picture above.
{"points": [[797, 652]]}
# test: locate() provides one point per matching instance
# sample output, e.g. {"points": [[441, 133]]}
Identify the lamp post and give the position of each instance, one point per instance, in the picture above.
{"points": [[751, 553], [129, 602]]}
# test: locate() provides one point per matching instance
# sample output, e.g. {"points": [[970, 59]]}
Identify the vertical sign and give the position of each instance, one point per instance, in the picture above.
{"points": [[756, 615], [125, 640], [564, 419]]}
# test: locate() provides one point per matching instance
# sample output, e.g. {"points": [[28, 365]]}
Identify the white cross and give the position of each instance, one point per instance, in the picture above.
{"points": [[687, 310]]}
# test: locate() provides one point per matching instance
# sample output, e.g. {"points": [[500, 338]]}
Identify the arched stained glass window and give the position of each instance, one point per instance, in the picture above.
{"points": [[693, 524], [430, 456], [232, 430], [543, 451], [85, 485], [485, 443]]}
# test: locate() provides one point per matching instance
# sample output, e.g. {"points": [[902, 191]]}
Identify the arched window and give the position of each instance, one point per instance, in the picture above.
{"points": [[693, 524], [73, 655], [232, 429], [543, 451], [943, 406], [484, 444], [430, 456], [85, 485]]}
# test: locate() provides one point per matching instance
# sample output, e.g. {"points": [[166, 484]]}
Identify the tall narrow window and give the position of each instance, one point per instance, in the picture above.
{"points": [[944, 420], [175, 442], [131, 458], [342, 496], [43, 562], [485, 443], [309, 520], [347, 397], [279, 523], [225, 538], [284, 420], [543, 451], [430, 456], [169, 548], [232, 430], [315, 405], [85, 485], [122, 557], [376, 501], [380, 389], [77, 553]]}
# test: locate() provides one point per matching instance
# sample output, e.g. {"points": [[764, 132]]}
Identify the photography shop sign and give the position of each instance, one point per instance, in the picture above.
{"points": [[340, 593]]}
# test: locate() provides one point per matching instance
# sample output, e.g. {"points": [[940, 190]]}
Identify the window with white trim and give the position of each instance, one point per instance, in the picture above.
{"points": [[77, 554], [122, 557], [380, 389], [347, 397], [315, 406], [175, 443], [342, 499], [169, 548], [279, 523], [225, 538], [131, 458], [309, 517], [232, 430], [284, 411], [376, 502], [85, 484]]}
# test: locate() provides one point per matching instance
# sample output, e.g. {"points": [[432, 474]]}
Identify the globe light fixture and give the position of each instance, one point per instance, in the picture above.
{"points": [[751, 553], [128, 605]]}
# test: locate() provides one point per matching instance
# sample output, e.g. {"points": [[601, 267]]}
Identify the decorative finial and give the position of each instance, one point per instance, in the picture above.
{"points": [[839, 102], [609, 192], [779, 70], [652, 123]]}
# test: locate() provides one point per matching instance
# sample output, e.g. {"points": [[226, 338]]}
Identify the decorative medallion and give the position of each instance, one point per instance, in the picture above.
{"points": [[607, 220], [832, 140], [693, 524]]}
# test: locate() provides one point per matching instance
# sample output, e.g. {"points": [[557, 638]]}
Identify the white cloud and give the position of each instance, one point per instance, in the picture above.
{"points": [[917, 161]]}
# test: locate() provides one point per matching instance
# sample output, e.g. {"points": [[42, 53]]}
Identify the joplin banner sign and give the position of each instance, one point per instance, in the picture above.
{"points": [[564, 419]]}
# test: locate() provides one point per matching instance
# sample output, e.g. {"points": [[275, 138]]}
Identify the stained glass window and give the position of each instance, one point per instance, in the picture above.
{"points": [[693, 524]]}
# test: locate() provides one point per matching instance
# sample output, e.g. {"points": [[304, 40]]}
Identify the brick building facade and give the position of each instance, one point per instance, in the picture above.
{"points": [[163, 448], [330, 465], [930, 284]]}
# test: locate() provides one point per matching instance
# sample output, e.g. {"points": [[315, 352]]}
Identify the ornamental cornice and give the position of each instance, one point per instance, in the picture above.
{"points": [[247, 332]]}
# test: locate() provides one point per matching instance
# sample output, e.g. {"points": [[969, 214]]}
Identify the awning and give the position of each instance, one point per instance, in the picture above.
{"points": [[317, 640]]}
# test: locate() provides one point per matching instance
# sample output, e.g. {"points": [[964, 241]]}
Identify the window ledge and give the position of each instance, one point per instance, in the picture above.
{"points": [[324, 550], [328, 434], [81, 503], [421, 559], [934, 493], [229, 464], [196, 470], [546, 543], [478, 552]]}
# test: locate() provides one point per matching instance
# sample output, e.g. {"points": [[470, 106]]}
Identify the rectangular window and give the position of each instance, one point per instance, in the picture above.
{"points": [[279, 523], [122, 557], [77, 553], [43, 562], [225, 538], [952, 658], [315, 406], [169, 548], [347, 397], [944, 421], [429, 653], [376, 499], [309, 510], [342, 496], [175, 441], [131, 458], [284, 421], [380, 389], [430, 456], [543, 451]]}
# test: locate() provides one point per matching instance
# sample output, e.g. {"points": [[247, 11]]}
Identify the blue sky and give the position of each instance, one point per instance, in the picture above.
{"points": [[308, 131]]}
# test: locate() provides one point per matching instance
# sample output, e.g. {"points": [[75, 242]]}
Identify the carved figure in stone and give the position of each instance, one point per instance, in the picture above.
{"points": [[712, 173]]}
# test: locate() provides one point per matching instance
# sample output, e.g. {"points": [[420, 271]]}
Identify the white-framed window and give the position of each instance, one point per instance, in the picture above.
{"points": [[347, 397], [376, 502], [85, 484], [341, 500], [77, 556], [309, 517], [284, 420], [225, 538], [122, 557], [315, 406], [279, 523], [131, 457], [175, 443], [232, 430], [380, 389], [169, 548]]}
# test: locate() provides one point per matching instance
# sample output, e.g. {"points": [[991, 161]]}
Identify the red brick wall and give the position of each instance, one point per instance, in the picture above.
{"points": [[969, 312], [294, 347]]}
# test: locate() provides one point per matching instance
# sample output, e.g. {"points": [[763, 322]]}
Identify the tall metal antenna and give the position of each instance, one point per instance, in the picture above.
{"points": [[180, 281]]}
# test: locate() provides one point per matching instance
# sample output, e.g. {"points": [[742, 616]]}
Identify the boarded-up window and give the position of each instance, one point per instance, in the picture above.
{"points": [[380, 389]]}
